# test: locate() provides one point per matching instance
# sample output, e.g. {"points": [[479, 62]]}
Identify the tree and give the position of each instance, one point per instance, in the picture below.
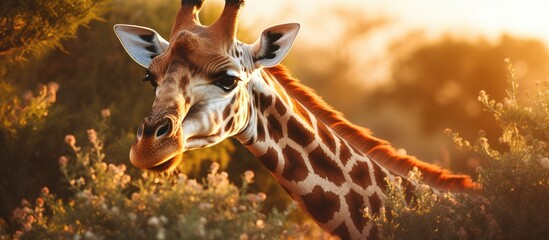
{"points": [[32, 26], [26, 153]]}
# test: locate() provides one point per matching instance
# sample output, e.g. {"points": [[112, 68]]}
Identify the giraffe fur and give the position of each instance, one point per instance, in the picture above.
{"points": [[210, 86]]}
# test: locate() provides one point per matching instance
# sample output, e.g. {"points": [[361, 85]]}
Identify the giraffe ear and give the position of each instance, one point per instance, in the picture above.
{"points": [[273, 44], [141, 43]]}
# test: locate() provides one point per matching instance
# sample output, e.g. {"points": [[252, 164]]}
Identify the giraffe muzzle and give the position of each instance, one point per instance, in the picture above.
{"points": [[158, 146]]}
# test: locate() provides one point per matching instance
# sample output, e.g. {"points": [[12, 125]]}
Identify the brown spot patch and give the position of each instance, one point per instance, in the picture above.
{"points": [[326, 135], [274, 128], [229, 124], [294, 167], [355, 202], [299, 133], [360, 175], [236, 96], [270, 159], [256, 99], [265, 102], [326, 167], [280, 108], [344, 153], [321, 205], [342, 232], [226, 111], [260, 130], [379, 175], [375, 203]]}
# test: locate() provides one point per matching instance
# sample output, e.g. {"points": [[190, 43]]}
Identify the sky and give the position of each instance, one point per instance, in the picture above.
{"points": [[528, 18], [468, 19]]}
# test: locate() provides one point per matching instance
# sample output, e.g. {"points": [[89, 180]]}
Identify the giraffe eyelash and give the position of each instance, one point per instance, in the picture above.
{"points": [[149, 77], [227, 80]]}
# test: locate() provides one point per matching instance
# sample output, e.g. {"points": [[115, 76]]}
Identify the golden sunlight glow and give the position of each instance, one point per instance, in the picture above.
{"points": [[325, 21], [527, 18]]}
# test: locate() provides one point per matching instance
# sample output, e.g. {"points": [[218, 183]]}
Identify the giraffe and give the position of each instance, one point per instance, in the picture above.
{"points": [[209, 86]]}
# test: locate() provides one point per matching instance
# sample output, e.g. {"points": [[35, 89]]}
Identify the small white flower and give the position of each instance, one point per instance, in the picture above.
{"points": [[63, 161], [163, 219], [262, 196], [115, 210], [90, 235], [205, 206], [161, 234], [260, 223], [70, 140], [81, 181], [214, 167], [544, 162], [92, 135], [181, 178], [135, 196], [423, 188], [153, 221], [45, 191], [105, 113], [248, 176]]}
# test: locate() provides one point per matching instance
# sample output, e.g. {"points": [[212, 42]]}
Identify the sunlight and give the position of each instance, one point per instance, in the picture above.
{"points": [[324, 22], [490, 17]]}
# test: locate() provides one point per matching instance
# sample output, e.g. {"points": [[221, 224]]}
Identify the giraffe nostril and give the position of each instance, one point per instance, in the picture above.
{"points": [[164, 129]]}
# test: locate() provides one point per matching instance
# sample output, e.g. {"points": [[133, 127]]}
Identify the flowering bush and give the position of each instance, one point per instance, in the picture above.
{"points": [[109, 204], [512, 204], [433, 216], [24, 132]]}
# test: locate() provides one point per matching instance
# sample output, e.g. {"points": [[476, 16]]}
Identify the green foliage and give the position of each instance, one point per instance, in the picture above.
{"points": [[29, 122], [31, 26], [512, 203], [430, 215], [24, 131], [108, 203], [93, 74], [17, 114], [195, 160], [517, 181]]}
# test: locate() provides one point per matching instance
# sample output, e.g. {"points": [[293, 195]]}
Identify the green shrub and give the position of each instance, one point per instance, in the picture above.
{"points": [[512, 203], [433, 216], [109, 204], [35, 25], [24, 128]]}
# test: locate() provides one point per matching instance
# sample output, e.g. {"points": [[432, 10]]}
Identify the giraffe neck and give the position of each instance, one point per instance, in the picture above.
{"points": [[331, 180], [331, 167]]}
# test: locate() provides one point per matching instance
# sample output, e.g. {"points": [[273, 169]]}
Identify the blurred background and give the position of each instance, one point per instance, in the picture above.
{"points": [[407, 70]]}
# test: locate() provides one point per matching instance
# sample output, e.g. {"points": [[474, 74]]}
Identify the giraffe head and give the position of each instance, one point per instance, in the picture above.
{"points": [[201, 80]]}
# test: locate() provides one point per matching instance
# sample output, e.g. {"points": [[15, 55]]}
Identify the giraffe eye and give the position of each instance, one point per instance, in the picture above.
{"points": [[227, 82], [150, 78]]}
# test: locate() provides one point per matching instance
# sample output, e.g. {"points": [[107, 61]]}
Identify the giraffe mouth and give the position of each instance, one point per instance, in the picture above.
{"points": [[168, 165]]}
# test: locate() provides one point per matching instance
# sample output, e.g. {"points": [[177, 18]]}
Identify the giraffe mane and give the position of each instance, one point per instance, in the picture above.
{"points": [[361, 138]]}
